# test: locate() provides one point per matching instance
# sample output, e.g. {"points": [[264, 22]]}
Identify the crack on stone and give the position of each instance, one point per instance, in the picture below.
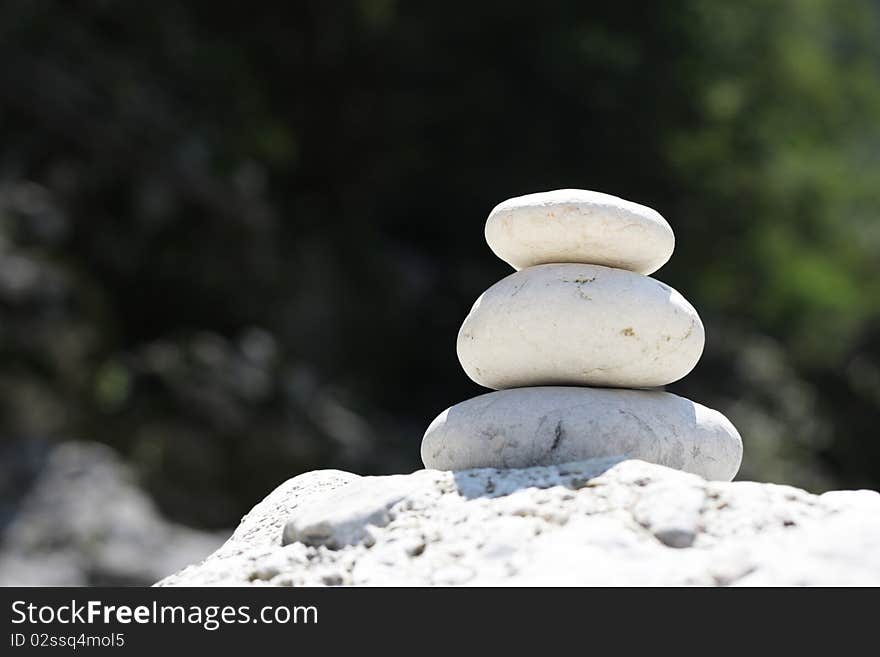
{"points": [[558, 435], [580, 282], [643, 426], [690, 330]]}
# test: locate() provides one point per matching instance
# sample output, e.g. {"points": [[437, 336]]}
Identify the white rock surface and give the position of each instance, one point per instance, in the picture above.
{"points": [[586, 523], [343, 521], [524, 427], [260, 531], [572, 324], [575, 225]]}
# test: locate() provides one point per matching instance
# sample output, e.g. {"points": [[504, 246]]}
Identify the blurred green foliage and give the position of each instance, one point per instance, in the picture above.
{"points": [[237, 243]]}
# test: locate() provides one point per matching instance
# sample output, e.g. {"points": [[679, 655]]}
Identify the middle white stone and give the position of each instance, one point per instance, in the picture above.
{"points": [[578, 324]]}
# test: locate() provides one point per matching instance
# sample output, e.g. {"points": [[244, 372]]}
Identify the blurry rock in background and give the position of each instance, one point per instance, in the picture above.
{"points": [[72, 515]]}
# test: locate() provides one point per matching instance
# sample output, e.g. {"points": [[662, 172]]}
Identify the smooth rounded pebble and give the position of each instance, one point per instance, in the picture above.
{"points": [[576, 225], [579, 325], [550, 425]]}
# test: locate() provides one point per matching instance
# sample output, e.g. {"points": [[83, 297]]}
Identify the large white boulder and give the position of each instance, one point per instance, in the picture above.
{"points": [[525, 427], [589, 523], [573, 324], [576, 225]]}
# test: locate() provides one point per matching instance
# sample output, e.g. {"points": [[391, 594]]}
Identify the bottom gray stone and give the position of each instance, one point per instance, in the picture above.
{"points": [[525, 427]]}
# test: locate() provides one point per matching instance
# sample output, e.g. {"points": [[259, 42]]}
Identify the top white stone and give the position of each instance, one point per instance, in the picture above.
{"points": [[579, 226]]}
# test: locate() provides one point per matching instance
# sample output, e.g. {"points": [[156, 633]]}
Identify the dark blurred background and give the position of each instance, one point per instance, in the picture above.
{"points": [[236, 243]]}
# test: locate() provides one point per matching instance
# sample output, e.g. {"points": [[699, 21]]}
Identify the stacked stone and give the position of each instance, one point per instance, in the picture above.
{"points": [[577, 343]]}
